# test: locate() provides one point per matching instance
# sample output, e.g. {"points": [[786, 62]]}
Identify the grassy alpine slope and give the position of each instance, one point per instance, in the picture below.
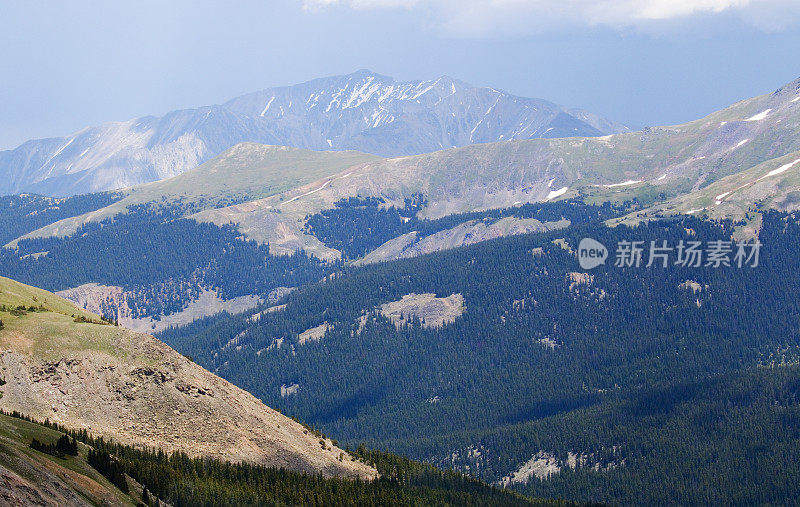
{"points": [[34, 478], [653, 165]]}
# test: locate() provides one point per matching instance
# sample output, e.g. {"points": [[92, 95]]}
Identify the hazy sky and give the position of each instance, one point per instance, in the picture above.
{"points": [[67, 65]]}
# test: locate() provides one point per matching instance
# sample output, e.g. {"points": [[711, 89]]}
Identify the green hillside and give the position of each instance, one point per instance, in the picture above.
{"points": [[32, 477], [14, 294], [774, 184]]}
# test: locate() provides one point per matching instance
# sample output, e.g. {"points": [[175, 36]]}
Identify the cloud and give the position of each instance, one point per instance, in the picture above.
{"points": [[488, 17]]}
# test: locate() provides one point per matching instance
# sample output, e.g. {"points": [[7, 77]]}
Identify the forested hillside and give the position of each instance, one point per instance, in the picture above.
{"points": [[163, 261], [503, 358], [599, 375], [367, 291]]}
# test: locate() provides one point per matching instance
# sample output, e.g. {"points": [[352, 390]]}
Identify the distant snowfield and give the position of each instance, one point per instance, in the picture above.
{"points": [[308, 193], [760, 116], [354, 111], [556, 193], [624, 183], [266, 108], [779, 170], [718, 199]]}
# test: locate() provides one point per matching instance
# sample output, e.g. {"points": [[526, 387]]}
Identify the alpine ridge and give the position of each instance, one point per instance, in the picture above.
{"points": [[362, 111]]}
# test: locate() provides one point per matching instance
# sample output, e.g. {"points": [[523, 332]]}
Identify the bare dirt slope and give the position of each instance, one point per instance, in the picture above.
{"points": [[468, 233], [96, 298], [431, 310], [133, 388]]}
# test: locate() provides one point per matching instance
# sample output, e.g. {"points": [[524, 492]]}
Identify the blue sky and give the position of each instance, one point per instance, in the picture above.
{"points": [[67, 65]]}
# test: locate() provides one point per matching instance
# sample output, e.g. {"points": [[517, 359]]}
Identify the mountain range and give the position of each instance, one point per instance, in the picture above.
{"points": [[362, 111], [667, 170], [432, 304], [724, 166]]}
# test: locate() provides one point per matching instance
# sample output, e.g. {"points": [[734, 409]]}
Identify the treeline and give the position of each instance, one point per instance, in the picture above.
{"points": [[356, 226], [111, 468], [19, 310], [21, 214], [184, 481]]}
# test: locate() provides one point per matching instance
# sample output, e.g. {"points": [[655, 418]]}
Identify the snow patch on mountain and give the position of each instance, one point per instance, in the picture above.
{"points": [[760, 116], [556, 193], [779, 170], [266, 108], [623, 184]]}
